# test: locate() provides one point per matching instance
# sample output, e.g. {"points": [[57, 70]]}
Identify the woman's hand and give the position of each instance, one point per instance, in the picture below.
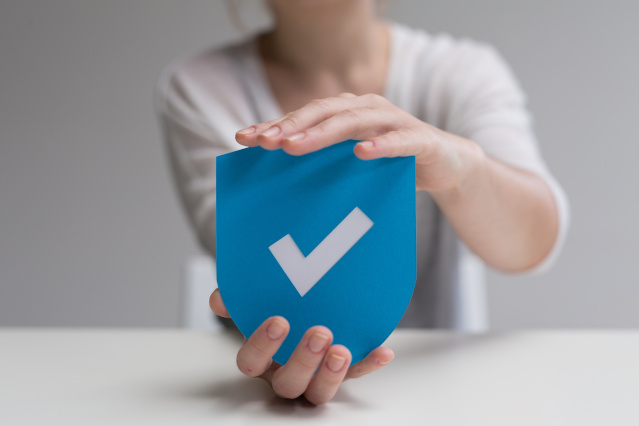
{"points": [[443, 161], [514, 221], [300, 375]]}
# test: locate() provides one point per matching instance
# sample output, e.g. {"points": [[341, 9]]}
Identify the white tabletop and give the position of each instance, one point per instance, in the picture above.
{"points": [[98, 376]]}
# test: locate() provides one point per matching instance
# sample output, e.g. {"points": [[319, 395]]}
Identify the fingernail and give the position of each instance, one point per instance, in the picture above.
{"points": [[335, 362], [366, 144], [272, 131], [246, 131], [379, 361], [317, 342], [296, 137], [275, 330]]}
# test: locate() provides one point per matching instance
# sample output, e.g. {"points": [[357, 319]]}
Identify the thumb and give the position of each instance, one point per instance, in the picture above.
{"points": [[217, 305]]}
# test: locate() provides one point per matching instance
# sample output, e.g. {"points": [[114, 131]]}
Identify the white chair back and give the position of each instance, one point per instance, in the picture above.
{"points": [[198, 283]]}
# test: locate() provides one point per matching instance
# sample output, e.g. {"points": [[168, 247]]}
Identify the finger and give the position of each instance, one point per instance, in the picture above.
{"points": [[217, 305], [256, 354], [358, 123], [399, 143], [313, 113], [375, 360], [268, 374], [292, 379], [330, 375], [248, 136]]}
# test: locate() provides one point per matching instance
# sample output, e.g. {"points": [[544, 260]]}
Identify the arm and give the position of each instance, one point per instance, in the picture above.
{"points": [[505, 215]]}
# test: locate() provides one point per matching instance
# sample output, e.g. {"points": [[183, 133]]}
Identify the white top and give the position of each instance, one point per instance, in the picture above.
{"points": [[171, 377], [459, 86]]}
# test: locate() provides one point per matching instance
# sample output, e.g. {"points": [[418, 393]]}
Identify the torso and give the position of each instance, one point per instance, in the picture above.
{"points": [[234, 87]]}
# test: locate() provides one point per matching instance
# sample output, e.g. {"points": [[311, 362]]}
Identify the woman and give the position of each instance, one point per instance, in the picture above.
{"points": [[330, 71]]}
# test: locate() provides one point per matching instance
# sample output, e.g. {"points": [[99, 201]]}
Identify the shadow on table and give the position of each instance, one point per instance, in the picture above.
{"points": [[252, 396], [242, 392], [238, 394], [443, 343]]}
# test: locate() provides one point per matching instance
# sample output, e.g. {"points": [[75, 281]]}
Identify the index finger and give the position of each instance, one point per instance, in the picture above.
{"points": [[256, 354], [270, 134]]}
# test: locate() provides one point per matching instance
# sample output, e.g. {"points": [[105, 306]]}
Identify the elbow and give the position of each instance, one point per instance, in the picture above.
{"points": [[533, 254]]}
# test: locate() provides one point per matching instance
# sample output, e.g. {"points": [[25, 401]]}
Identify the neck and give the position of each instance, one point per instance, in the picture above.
{"points": [[333, 35]]}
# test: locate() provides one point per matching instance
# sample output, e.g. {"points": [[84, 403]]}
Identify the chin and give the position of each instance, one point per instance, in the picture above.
{"points": [[310, 4]]}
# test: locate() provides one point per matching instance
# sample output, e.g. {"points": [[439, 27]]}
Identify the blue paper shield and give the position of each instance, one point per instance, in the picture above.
{"points": [[321, 239]]}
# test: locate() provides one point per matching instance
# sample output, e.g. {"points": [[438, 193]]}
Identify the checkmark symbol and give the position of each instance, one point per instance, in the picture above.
{"points": [[305, 272]]}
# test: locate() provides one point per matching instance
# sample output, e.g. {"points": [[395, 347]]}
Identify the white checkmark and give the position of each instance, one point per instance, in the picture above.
{"points": [[305, 272]]}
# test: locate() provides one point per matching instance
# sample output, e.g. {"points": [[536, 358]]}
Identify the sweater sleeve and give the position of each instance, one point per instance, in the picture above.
{"points": [[481, 99], [198, 118]]}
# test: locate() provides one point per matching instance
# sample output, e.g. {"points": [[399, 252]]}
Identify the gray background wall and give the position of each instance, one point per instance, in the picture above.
{"points": [[91, 233]]}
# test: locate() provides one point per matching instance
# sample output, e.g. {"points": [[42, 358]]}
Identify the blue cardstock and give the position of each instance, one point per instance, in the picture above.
{"points": [[264, 196]]}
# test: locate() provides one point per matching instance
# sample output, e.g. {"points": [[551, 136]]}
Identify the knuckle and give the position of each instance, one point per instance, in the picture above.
{"points": [[406, 138], [307, 364], [358, 371], [258, 346], [303, 361], [371, 97], [263, 126], [290, 122], [321, 104], [397, 143], [354, 118], [376, 99], [316, 131], [350, 114]]}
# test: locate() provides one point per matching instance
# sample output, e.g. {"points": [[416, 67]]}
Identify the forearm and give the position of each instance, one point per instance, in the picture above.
{"points": [[506, 216]]}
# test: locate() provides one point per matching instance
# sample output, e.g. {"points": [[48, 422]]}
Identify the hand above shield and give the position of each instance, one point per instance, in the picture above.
{"points": [[515, 219], [300, 375], [444, 161]]}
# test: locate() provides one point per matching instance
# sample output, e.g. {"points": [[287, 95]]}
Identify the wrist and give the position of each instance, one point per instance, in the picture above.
{"points": [[472, 164]]}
